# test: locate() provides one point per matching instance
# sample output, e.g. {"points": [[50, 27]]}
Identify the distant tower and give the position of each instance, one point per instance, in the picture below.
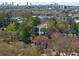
{"points": [[12, 3], [3, 4], [6, 3], [17, 4], [26, 3], [30, 4]]}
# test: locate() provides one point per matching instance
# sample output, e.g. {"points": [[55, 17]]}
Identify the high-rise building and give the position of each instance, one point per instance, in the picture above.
{"points": [[30, 4], [12, 4], [26, 3], [3, 4], [6, 3]]}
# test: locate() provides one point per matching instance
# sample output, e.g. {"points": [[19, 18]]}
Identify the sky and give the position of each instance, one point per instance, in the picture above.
{"points": [[39, 1], [66, 2]]}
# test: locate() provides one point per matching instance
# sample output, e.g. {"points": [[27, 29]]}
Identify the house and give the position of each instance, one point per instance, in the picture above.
{"points": [[41, 42], [77, 20], [16, 20], [38, 29], [43, 17], [67, 19]]}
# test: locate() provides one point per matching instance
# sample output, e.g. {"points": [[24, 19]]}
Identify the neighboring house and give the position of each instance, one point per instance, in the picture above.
{"points": [[16, 20], [43, 17], [39, 27], [77, 20], [41, 42], [67, 19]]}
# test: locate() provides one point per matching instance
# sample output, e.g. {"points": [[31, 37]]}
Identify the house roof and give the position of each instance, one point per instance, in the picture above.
{"points": [[41, 38]]}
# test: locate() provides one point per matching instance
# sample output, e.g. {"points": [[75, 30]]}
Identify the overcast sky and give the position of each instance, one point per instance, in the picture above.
{"points": [[69, 2], [39, 0]]}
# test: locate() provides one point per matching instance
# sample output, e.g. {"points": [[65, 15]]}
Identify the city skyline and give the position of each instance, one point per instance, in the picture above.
{"points": [[43, 3]]}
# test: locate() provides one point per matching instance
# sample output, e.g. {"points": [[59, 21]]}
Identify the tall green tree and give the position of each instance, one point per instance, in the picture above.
{"points": [[74, 28], [53, 24], [5, 19], [36, 21], [12, 31], [2, 15], [26, 30]]}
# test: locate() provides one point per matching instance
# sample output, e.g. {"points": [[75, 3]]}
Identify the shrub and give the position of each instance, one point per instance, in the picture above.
{"points": [[30, 52], [7, 50]]}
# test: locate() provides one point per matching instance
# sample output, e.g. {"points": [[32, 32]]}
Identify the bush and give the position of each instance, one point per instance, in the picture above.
{"points": [[7, 50], [30, 52]]}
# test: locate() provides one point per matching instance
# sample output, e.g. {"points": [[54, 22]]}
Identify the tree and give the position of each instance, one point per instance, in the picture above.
{"points": [[11, 27], [12, 31], [4, 19], [2, 15], [26, 30], [64, 27], [25, 15], [36, 21], [52, 24], [74, 28]]}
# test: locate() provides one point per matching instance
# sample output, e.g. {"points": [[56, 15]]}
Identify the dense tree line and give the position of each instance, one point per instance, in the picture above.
{"points": [[64, 27], [22, 31], [25, 30], [25, 33]]}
